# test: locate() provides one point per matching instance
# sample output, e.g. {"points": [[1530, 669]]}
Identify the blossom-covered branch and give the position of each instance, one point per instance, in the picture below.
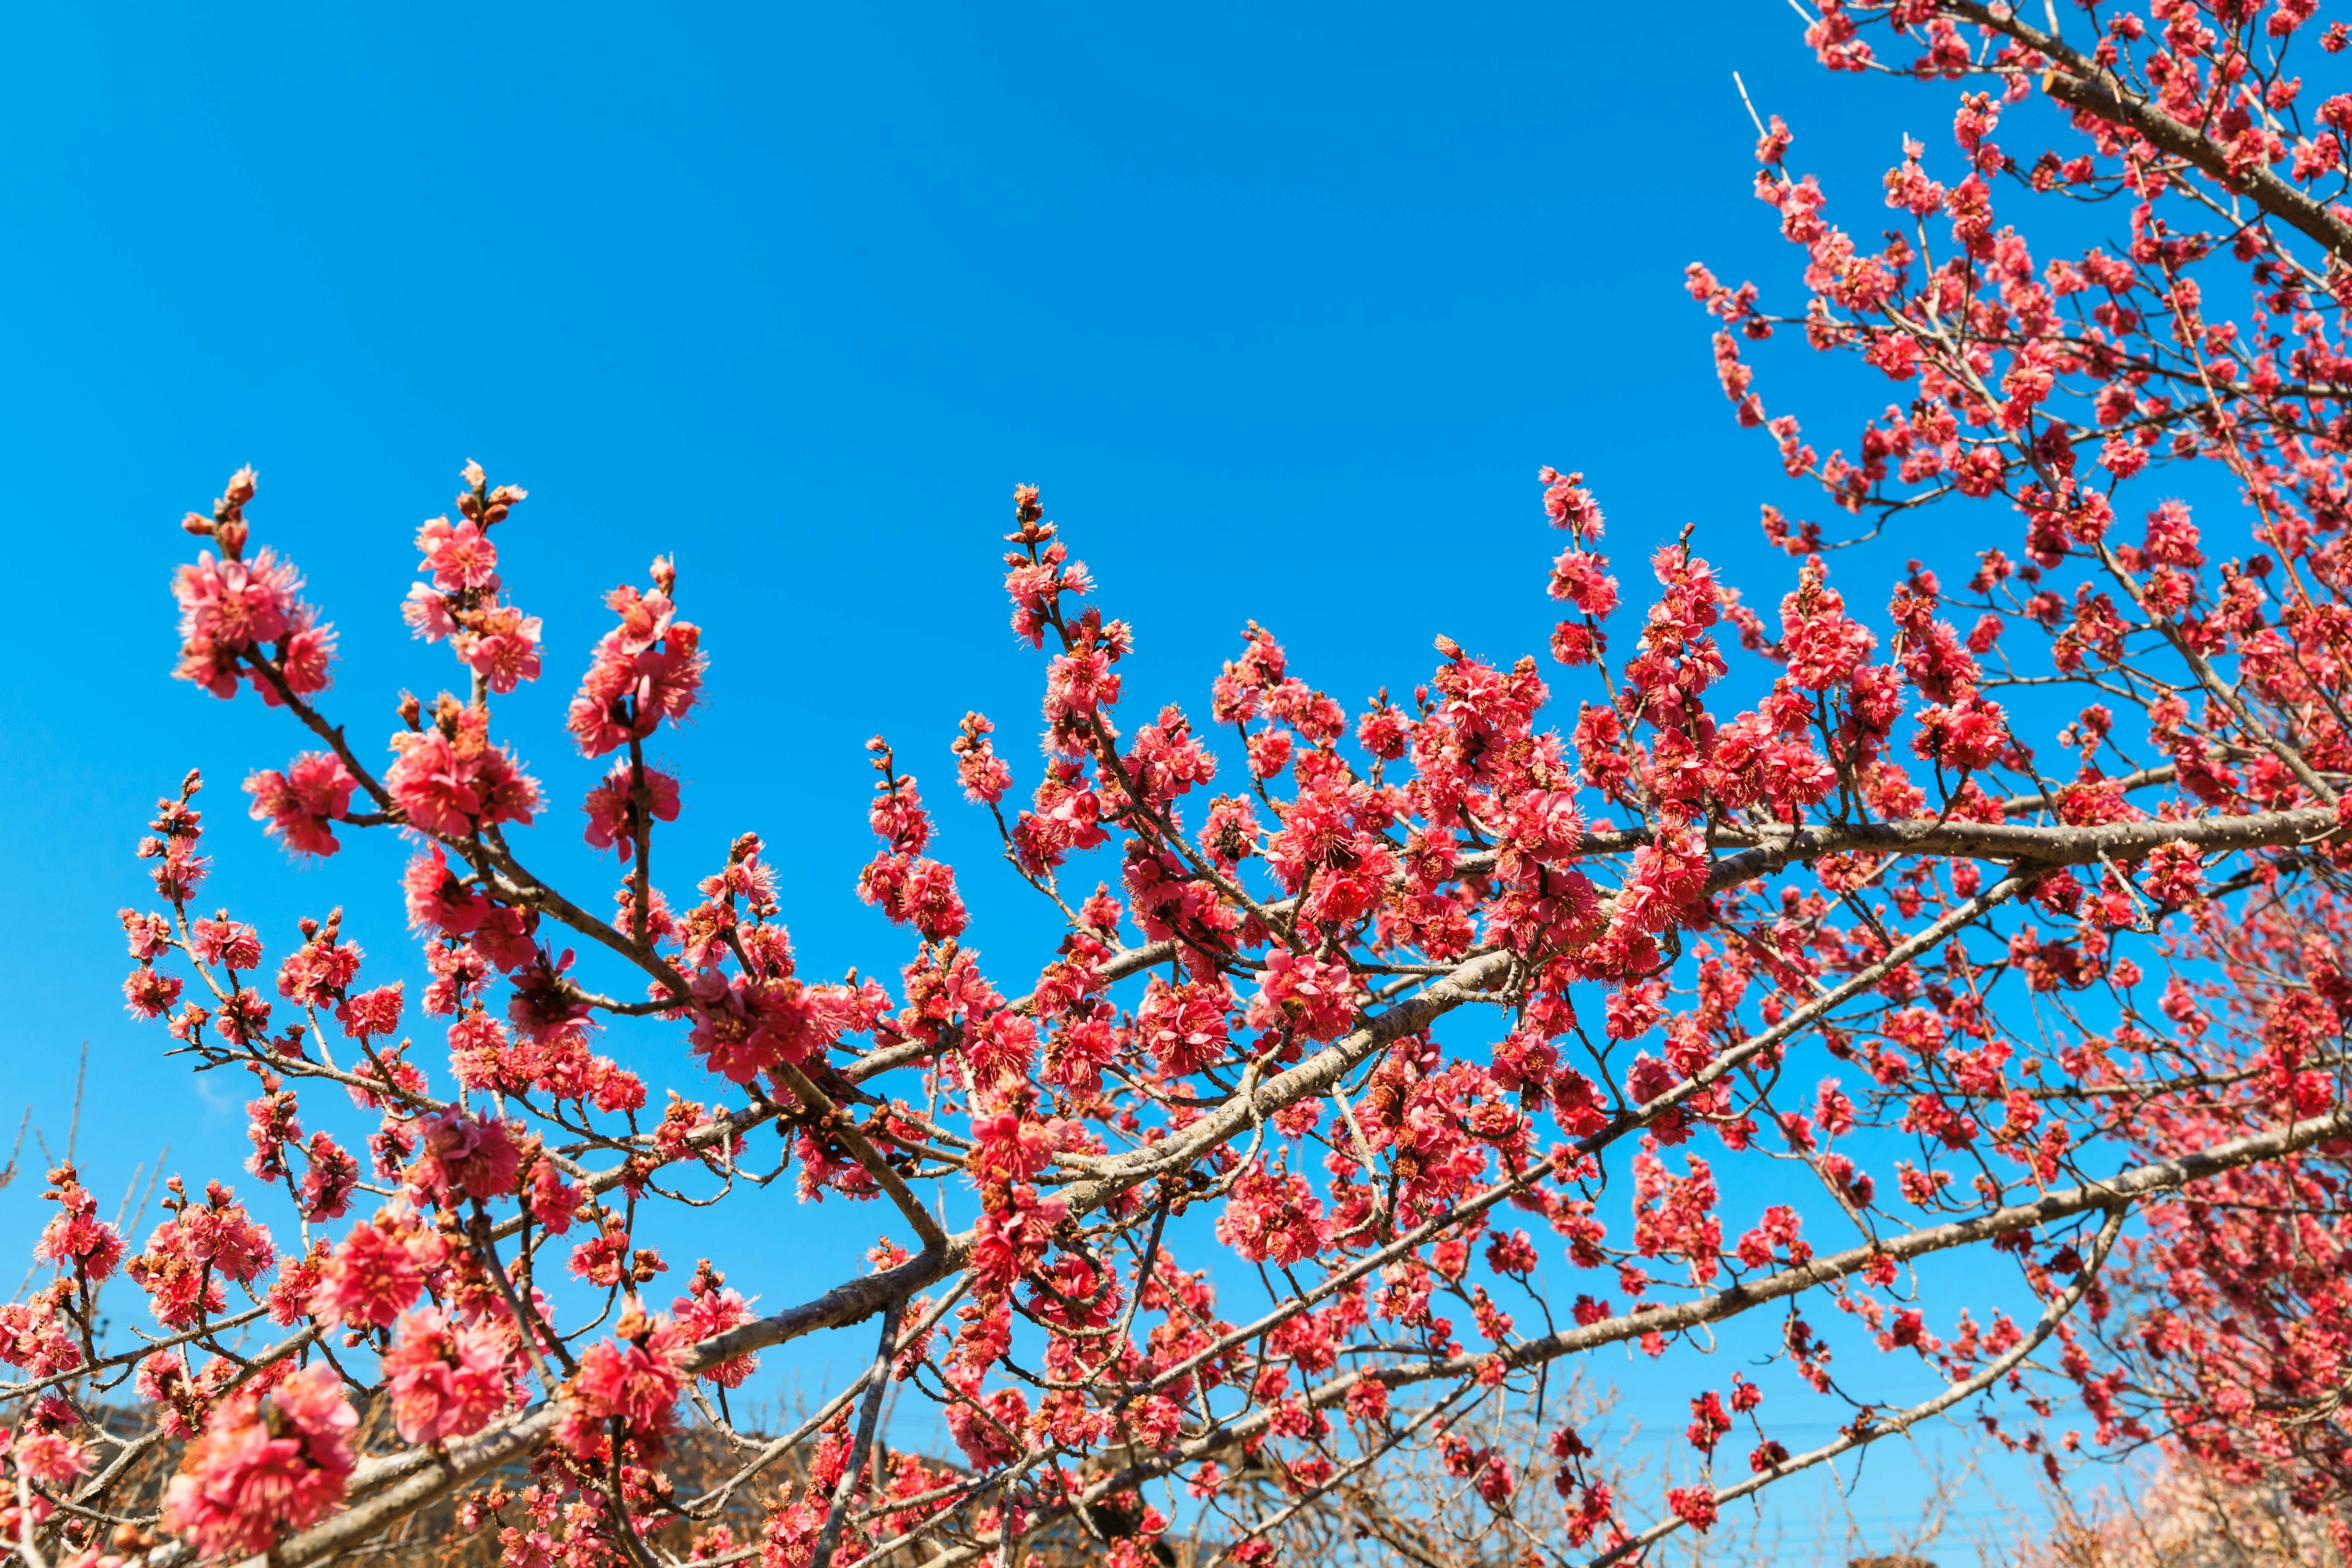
{"points": [[1476, 1022]]}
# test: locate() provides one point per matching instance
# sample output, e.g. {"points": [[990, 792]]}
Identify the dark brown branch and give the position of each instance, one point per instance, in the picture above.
{"points": [[2081, 84]]}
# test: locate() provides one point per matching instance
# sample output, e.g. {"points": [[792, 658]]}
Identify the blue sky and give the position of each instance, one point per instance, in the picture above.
{"points": [[1282, 307]]}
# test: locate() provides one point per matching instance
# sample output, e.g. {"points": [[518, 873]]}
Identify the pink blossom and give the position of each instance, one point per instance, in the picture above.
{"points": [[378, 1270], [1014, 1233], [34, 1336], [612, 812], [427, 614], [328, 1185], [1273, 1215], [50, 1458], [632, 1377], [459, 558], [237, 604], [265, 1464], [192, 1253], [1184, 1027], [449, 779], [913, 890], [227, 943], [1568, 504], [982, 774], [744, 1027], [299, 804], [707, 1311], [990, 1433], [447, 1380], [1695, 1506], [76, 1238], [2175, 874], [1316, 996], [436, 899], [315, 973], [2172, 536], [501, 644], [647, 668], [463, 1156], [370, 1012]]}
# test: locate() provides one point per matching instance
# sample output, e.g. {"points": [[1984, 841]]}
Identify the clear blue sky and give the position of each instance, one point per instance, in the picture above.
{"points": [[1282, 307]]}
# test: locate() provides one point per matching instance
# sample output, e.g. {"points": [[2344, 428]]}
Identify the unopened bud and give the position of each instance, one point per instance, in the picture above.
{"points": [[197, 523], [665, 574], [411, 711], [1447, 648], [229, 533]]}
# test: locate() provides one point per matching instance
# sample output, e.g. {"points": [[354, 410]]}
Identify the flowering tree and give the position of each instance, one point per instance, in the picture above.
{"points": [[1432, 996], [2182, 1516]]}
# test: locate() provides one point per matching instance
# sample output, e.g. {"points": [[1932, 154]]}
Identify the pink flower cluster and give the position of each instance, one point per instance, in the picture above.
{"points": [[617, 810], [631, 1379], [202, 1248], [447, 1379], [243, 620], [1316, 996], [448, 778], [708, 1309], [298, 805], [268, 1462], [379, 1269], [497, 641], [461, 1157], [76, 1239], [647, 668], [909, 888]]}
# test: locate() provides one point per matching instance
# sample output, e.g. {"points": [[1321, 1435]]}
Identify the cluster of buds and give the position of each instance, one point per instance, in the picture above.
{"points": [[226, 526]]}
